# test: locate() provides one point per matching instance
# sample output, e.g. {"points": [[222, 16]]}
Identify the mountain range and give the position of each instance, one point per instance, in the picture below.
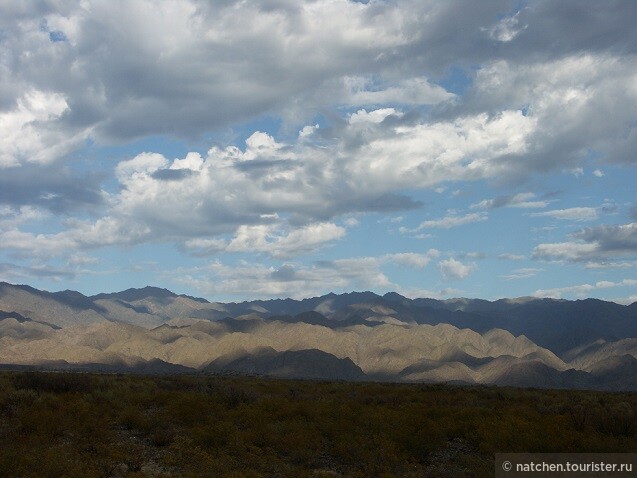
{"points": [[526, 342]]}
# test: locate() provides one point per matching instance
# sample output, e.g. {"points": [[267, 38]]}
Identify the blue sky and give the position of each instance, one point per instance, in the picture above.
{"points": [[239, 150]]}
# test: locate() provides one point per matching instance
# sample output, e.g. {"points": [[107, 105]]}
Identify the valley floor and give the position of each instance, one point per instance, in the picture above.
{"points": [[90, 425]]}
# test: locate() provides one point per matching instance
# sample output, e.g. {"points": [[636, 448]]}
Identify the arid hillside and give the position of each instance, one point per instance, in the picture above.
{"points": [[358, 336]]}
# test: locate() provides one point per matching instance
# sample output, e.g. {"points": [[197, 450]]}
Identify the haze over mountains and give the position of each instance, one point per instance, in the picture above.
{"points": [[356, 336]]}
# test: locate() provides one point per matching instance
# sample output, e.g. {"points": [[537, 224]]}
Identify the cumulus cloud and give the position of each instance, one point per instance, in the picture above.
{"points": [[454, 269], [412, 259], [27, 132], [373, 116], [380, 77], [596, 245], [264, 238], [410, 91], [231, 188], [617, 239], [297, 280], [569, 251], [562, 94], [28, 244], [142, 82], [287, 280], [115, 73]]}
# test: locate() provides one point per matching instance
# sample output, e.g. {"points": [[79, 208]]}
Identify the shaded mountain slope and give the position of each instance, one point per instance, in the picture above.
{"points": [[381, 351], [557, 325], [525, 342], [587, 357], [60, 308], [307, 364]]}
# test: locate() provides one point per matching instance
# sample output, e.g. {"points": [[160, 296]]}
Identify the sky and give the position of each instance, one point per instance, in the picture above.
{"points": [[236, 150]]}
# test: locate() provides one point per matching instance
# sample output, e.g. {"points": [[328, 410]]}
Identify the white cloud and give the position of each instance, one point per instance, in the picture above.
{"points": [[308, 130], [473, 255], [235, 191], [297, 280], [626, 300], [570, 251], [522, 273], [374, 116], [512, 257], [28, 244], [454, 269], [506, 29], [351, 222], [563, 95], [142, 164], [11, 217], [596, 246], [427, 154], [412, 259], [119, 75], [28, 132], [203, 247], [14, 272], [572, 214], [81, 260], [526, 110], [263, 238], [270, 239], [432, 294], [288, 280], [610, 265], [449, 222], [416, 91], [582, 290], [519, 200]]}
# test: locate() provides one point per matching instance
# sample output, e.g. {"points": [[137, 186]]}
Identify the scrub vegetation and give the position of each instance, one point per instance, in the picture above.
{"points": [[89, 425]]}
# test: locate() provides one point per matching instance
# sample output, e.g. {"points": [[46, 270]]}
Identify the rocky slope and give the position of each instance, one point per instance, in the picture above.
{"points": [[347, 337]]}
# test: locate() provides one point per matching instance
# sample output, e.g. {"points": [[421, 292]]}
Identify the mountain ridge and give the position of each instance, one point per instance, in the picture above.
{"points": [[554, 343]]}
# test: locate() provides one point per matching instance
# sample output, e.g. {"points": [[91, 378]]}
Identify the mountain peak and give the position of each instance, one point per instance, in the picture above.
{"points": [[394, 297], [133, 294]]}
